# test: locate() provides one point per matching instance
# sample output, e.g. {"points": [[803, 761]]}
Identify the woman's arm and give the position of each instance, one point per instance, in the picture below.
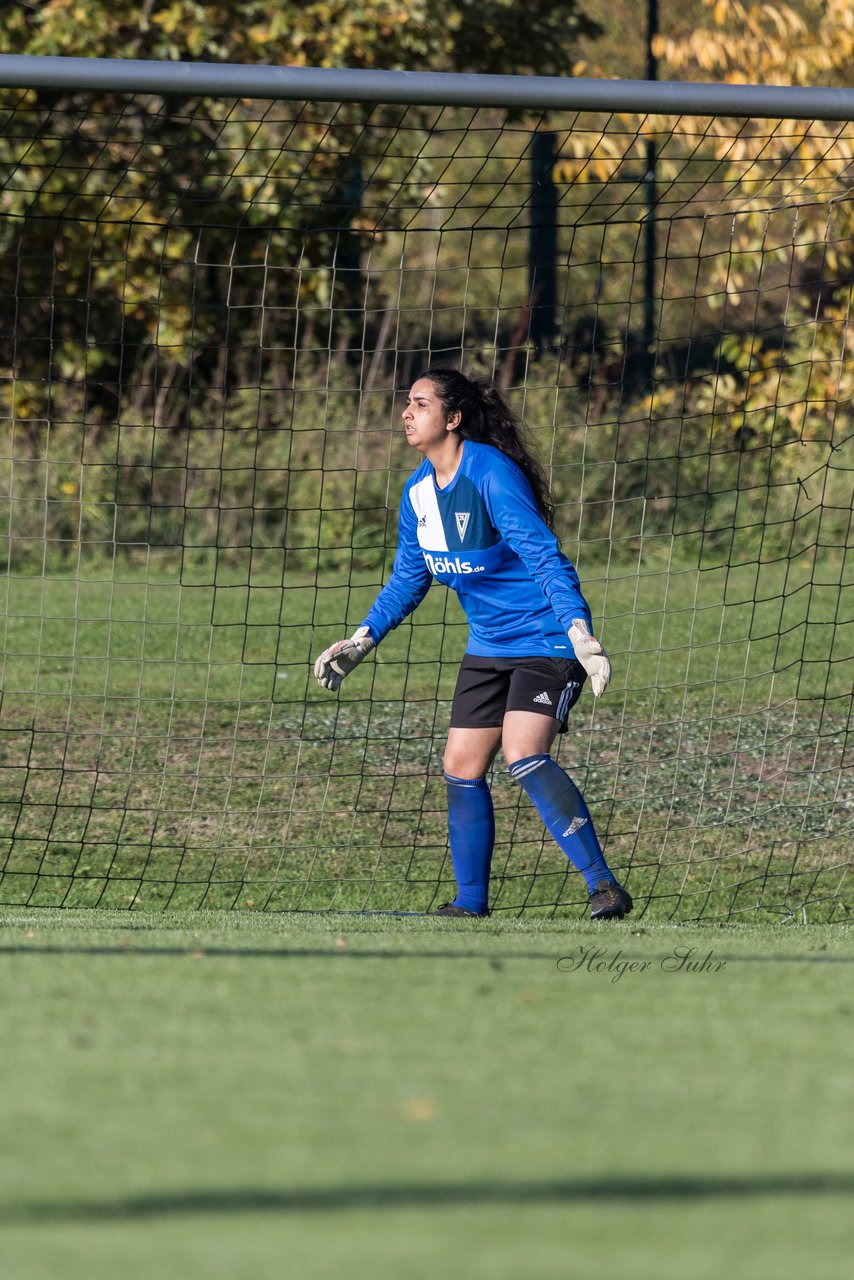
{"points": [[514, 512], [409, 582], [408, 585]]}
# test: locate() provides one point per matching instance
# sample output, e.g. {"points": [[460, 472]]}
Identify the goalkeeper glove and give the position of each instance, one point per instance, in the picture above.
{"points": [[591, 655], [340, 658]]}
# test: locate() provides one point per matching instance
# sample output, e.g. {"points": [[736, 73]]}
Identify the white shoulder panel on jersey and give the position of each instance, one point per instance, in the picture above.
{"points": [[431, 531]]}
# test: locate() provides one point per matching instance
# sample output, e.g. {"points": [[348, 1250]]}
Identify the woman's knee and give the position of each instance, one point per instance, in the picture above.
{"points": [[469, 753], [460, 765], [527, 734]]}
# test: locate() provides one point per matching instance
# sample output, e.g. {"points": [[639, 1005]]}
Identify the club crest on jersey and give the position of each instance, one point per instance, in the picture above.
{"points": [[462, 518]]}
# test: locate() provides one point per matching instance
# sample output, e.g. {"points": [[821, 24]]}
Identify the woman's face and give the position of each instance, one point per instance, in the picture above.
{"points": [[424, 419]]}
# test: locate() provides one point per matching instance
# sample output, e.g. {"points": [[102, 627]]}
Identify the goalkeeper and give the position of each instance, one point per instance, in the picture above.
{"points": [[477, 516]]}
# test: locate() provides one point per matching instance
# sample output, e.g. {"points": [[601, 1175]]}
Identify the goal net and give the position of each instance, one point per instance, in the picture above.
{"points": [[210, 311]]}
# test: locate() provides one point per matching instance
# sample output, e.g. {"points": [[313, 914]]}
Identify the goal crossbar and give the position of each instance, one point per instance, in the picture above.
{"points": [[437, 88]]}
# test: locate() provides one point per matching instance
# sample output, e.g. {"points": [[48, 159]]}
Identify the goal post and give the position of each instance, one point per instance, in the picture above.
{"points": [[216, 284]]}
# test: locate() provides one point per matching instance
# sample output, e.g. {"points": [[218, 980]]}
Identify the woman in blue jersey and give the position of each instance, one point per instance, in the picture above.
{"points": [[476, 515]]}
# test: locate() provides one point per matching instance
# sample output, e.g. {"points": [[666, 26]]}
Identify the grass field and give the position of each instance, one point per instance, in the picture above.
{"points": [[163, 743], [221, 1095]]}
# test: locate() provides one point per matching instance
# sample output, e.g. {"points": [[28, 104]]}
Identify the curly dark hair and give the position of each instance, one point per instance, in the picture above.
{"points": [[487, 419]]}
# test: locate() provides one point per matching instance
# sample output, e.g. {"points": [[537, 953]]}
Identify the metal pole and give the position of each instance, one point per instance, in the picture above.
{"points": [[542, 244], [651, 194], [329, 84]]}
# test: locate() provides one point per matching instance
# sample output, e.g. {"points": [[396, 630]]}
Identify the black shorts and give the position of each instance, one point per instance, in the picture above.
{"points": [[489, 687]]}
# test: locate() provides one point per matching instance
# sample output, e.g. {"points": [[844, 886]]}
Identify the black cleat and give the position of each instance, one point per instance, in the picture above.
{"points": [[449, 909], [609, 901]]}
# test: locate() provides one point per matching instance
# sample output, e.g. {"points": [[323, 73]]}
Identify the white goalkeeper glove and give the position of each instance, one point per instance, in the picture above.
{"points": [[341, 658], [591, 655]]}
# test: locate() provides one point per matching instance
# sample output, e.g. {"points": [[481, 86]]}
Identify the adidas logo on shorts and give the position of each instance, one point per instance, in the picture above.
{"points": [[544, 699]]}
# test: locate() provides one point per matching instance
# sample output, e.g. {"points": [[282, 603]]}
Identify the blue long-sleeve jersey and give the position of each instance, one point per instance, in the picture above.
{"points": [[483, 536]]}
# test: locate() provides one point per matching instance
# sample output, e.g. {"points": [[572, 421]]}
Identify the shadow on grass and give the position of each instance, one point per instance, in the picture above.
{"points": [[200, 951], [678, 1188], [272, 953]]}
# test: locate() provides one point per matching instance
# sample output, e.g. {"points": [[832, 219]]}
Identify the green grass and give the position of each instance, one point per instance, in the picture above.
{"points": [[164, 743], [122, 634], [219, 1095]]}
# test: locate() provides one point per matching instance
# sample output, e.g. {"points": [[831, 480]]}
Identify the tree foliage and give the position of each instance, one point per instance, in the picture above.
{"points": [[162, 261], [161, 258], [109, 191], [791, 365], [774, 272], [461, 35], [811, 43]]}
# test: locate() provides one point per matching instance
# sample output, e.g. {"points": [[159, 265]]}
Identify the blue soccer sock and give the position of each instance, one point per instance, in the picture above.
{"points": [[471, 828], [561, 806]]}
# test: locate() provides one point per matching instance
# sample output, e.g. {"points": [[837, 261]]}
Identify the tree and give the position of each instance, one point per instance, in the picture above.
{"points": [[156, 253], [487, 36], [104, 194], [756, 358], [790, 363], [745, 42]]}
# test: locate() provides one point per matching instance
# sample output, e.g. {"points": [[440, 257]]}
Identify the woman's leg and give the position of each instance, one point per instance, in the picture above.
{"points": [[527, 740], [471, 820]]}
